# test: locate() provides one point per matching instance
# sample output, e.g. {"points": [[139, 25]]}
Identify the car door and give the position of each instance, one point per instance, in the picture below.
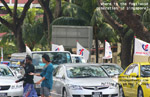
{"points": [[59, 80], [126, 80], [54, 80], [134, 80]]}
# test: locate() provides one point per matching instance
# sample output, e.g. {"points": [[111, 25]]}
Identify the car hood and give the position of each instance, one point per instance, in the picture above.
{"points": [[90, 81], [7, 80]]}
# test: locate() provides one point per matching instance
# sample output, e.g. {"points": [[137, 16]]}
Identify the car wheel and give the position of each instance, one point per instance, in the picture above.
{"points": [[64, 93], [140, 93], [121, 93]]}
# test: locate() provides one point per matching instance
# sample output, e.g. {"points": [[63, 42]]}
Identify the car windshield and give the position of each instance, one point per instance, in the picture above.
{"points": [[56, 58], [113, 70], [85, 72], [145, 70], [78, 59], [4, 71]]}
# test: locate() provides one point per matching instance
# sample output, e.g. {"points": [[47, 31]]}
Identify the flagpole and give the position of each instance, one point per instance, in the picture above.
{"points": [[1, 54], [133, 49]]}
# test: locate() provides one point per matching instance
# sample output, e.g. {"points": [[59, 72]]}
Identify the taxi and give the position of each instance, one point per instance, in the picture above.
{"points": [[135, 80]]}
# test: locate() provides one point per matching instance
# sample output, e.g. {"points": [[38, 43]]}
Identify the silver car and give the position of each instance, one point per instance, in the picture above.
{"points": [[8, 87], [112, 69], [83, 80]]}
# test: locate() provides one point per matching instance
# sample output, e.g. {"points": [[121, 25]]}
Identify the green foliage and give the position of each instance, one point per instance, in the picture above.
{"points": [[106, 32], [52, 5], [97, 18], [32, 15], [3, 28], [33, 33], [72, 10], [68, 21], [8, 49], [146, 16]]}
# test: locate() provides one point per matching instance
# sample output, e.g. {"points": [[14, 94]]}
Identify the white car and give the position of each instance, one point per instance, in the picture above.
{"points": [[83, 80], [77, 58], [8, 87]]}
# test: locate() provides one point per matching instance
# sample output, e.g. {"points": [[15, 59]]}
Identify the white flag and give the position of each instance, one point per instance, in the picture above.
{"points": [[82, 51], [28, 51], [141, 48], [56, 47], [108, 52]]}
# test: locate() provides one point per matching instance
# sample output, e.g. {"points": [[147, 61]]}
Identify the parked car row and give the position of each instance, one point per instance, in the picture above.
{"points": [[70, 80], [80, 79]]}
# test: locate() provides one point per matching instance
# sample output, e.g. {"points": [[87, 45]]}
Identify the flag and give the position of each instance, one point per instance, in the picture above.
{"points": [[1, 54], [82, 51], [141, 47], [56, 47], [108, 52], [28, 51]]}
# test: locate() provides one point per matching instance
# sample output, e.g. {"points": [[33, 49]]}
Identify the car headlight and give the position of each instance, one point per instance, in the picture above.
{"points": [[147, 85], [74, 87], [16, 86], [113, 85]]}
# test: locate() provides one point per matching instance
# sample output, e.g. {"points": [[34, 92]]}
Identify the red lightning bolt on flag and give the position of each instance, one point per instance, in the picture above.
{"points": [[146, 46], [81, 51]]}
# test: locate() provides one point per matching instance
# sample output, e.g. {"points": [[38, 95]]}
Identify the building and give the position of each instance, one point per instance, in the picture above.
{"points": [[21, 3]]}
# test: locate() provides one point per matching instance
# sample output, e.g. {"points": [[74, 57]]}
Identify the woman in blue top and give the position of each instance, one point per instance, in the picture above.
{"points": [[47, 77]]}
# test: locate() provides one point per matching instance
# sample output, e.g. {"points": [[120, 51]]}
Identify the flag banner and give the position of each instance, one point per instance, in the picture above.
{"points": [[82, 51], [56, 47], [29, 91], [28, 51], [108, 52], [141, 47]]}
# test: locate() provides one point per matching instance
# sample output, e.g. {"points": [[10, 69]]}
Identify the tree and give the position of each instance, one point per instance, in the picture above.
{"points": [[129, 21], [102, 30], [48, 20], [32, 27], [17, 21]]}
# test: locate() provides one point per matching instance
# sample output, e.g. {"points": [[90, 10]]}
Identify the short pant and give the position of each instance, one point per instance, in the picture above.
{"points": [[45, 91]]}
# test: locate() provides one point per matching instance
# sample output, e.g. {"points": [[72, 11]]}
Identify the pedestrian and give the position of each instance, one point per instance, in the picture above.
{"points": [[28, 83], [47, 77]]}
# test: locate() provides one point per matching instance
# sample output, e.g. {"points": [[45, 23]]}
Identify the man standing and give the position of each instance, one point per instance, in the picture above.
{"points": [[47, 77], [28, 84]]}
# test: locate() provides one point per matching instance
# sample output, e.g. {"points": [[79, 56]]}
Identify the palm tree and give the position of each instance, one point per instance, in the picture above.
{"points": [[73, 14]]}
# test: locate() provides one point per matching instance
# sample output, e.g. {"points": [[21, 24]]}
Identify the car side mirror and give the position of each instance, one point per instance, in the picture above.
{"points": [[133, 75], [59, 76]]}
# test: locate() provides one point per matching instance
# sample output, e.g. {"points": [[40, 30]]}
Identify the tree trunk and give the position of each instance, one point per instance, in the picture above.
{"points": [[58, 9], [126, 59], [49, 17], [19, 40]]}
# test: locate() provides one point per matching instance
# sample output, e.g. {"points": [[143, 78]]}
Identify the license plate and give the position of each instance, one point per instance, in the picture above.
{"points": [[97, 94], [3, 95]]}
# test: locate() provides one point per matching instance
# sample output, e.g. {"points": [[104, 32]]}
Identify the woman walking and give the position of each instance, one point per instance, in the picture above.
{"points": [[47, 77]]}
